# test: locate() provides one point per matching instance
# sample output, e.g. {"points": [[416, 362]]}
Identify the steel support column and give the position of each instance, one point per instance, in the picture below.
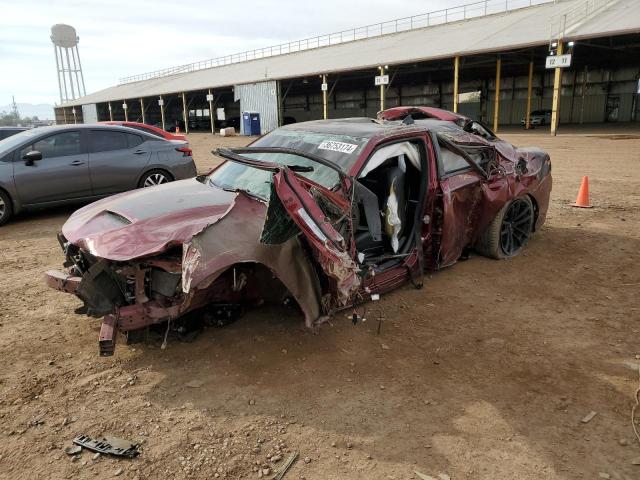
{"points": [[213, 127], [73, 91], [125, 107], [325, 109], [583, 91], [110, 112], [142, 108], [496, 100], [557, 85], [161, 103], [84, 90], [573, 94], [382, 90], [55, 49], [456, 73], [184, 113], [75, 119], [529, 90]]}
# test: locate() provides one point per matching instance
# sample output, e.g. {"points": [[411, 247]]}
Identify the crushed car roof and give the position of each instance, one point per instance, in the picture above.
{"points": [[365, 127]]}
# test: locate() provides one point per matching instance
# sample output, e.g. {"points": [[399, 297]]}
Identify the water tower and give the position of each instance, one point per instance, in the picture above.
{"points": [[70, 78]]}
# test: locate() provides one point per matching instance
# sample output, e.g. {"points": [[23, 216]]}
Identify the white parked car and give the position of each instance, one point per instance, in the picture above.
{"points": [[538, 117]]}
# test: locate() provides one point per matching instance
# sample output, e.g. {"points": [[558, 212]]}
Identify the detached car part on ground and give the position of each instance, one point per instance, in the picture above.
{"points": [[320, 214]]}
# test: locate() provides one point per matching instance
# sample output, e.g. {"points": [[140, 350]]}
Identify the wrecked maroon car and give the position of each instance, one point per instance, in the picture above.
{"points": [[323, 215]]}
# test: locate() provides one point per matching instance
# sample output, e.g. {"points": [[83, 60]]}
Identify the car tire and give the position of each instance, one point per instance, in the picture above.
{"points": [[6, 207], [155, 177], [509, 231]]}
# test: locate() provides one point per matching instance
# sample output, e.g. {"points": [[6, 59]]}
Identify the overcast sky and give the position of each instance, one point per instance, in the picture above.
{"points": [[126, 37]]}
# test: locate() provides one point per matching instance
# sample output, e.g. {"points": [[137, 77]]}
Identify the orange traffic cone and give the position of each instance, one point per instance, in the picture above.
{"points": [[583, 194]]}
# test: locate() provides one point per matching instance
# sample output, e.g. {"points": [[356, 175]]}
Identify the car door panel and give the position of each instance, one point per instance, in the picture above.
{"points": [[114, 166], [331, 249], [62, 174]]}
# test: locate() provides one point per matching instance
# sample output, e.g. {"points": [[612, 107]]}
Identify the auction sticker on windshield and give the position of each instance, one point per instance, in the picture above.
{"points": [[337, 146]]}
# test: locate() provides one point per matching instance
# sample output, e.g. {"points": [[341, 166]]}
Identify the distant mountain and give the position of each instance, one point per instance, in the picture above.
{"points": [[43, 111]]}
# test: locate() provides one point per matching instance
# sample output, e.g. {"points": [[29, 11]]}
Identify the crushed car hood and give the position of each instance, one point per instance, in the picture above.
{"points": [[147, 221]]}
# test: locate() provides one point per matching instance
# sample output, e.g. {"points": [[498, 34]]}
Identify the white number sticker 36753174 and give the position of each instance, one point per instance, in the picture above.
{"points": [[338, 146]]}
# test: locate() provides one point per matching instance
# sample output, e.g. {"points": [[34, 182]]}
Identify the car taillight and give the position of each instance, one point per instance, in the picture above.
{"points": [[186, 152]]}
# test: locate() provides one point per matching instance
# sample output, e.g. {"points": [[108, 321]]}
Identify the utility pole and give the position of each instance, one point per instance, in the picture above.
{"points": [[14, 108]]}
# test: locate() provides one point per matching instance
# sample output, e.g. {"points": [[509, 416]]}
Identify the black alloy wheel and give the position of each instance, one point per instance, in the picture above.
{"points": [[516, 227]]}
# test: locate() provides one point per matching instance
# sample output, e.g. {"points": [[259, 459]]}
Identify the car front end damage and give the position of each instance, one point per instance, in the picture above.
{"points": [[128, 295], [251, 252], [206, 250], [218, 277]]}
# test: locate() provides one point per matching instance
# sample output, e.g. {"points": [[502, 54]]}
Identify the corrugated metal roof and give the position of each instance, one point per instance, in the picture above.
{"points": [[517, 28], [619, 18]]}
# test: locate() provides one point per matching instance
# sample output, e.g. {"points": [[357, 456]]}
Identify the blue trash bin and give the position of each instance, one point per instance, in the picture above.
{"points": [[255, 124], [251, 123]]}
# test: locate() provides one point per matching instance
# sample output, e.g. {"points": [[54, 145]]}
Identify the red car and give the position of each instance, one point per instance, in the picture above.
{"points": [[158, 132], [421, 113], [323, 215]]}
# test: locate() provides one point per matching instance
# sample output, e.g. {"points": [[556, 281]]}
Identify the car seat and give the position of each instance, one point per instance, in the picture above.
{"points": [[388, 183]]}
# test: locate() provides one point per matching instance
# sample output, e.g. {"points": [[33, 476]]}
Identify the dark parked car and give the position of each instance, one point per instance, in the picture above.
{"points": [[50, 166], [6, 132], [230, 122], [325, 214]]}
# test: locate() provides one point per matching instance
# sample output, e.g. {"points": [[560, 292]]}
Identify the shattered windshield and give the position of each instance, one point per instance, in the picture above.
{"points": [[340, 149]]}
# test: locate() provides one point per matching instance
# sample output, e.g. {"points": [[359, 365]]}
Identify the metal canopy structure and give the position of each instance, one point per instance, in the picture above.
{"points": [[523, 27], [397, 25]]}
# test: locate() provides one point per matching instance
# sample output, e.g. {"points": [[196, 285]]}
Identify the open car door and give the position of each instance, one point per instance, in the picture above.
{"points": [[298, 205]]}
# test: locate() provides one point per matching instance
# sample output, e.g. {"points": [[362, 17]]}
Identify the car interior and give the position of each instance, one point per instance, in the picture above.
{"points": [[387, 204]]}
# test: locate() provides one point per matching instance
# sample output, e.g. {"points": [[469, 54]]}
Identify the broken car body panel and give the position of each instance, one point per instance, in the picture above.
{"points": [[146, 222], [328, 245], [298, 216], [208, 255]]}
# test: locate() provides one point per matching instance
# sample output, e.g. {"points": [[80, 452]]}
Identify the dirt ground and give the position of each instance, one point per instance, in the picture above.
{"points": [[485, 373]]}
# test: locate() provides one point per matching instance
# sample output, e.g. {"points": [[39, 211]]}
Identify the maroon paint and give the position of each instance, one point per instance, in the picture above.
{"points": [[457, 209], [99, 229], [398, 113]]}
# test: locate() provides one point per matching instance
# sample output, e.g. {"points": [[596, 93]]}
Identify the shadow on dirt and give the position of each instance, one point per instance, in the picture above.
{"points": [[477, 363]]}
